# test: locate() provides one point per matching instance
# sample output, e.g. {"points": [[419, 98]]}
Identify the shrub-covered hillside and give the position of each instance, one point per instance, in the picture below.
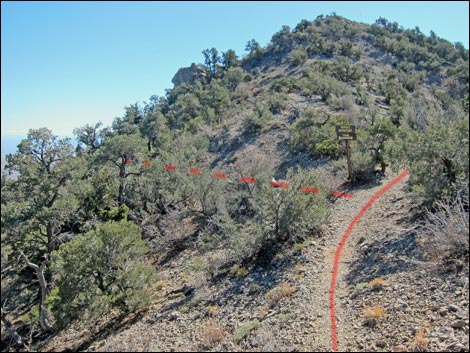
{"points": [[193, 169]]}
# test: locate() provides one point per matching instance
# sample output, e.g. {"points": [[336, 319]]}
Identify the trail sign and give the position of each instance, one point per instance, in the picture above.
{"points": [[346, 132]]}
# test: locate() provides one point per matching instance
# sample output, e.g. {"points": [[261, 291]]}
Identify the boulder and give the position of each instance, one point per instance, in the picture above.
{"points": [[188, 74]]}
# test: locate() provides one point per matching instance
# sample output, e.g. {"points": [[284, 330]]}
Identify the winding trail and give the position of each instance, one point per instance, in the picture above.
{"points": [[324, 279], [341, 244]]}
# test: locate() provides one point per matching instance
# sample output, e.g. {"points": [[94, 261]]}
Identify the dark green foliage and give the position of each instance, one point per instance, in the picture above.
{"points": [[375, 138], [363, 165], [155, 128], [253, 123], [233, 77], [95, 193], [211, 60], [115, 151], [115, 214], [298, 56], [344, 70], [258, 119], [278, 102], [217, 97], [255, 52], [412, 92], [392, 89], [39, 200], [229, 59], [318, 83], [278, 215], [90, 137], [437, 157], [283, 85], [315, 133], [368, 152], [100, 270], [129, 123]]}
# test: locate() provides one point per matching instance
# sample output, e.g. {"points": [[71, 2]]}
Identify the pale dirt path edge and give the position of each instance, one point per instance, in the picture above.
{"points": [[347, 233]]}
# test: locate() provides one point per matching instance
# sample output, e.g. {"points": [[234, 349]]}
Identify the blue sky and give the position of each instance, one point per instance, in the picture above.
{"points": [[67, 64]]}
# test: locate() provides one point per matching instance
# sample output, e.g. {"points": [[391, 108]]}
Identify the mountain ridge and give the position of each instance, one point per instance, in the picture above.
{"points": [[245, 267]]}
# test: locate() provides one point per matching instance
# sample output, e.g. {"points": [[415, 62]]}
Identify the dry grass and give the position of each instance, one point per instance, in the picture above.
{"points": [[277, 293], [377, 283], [183, 275], [212, 311], [214, 261], [238, 271], [262, 312], [420, 341], [211, 333], [299, 247], [447, 229], [372, 314], [160, 284]]}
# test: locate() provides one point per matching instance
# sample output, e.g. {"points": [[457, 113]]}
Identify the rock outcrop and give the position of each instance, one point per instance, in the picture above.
{"points": [[188, 74]]}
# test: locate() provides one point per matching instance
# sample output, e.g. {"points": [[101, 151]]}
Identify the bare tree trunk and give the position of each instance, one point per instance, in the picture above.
{"points": [[50, 238], [122, 176], [42, 282]]}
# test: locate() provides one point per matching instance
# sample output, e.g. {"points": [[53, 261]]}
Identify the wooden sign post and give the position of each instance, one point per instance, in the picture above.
{"points": [[347, 133]]}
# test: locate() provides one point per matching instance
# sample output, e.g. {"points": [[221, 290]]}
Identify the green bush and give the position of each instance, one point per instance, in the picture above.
{"points": [[244, 330], [437, 158], [248, 77], [298, 56], [253, 123], [363, 166], [100, 270], [322, 84], [278, 102], [274, 216], [374, 138], [282, 85], [258, 119], [315, 134], [205, 191]]}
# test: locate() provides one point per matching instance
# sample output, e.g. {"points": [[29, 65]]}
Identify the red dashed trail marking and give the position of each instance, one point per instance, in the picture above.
{"points": [[383, 190]]}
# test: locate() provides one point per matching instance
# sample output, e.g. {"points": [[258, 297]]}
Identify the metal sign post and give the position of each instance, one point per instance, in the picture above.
{"points": [[347, 133]]}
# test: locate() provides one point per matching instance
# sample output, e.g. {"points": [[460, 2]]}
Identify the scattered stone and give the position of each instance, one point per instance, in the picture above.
{"points": [[443, 312], [173, 316], [458, 324], [381, 344]]}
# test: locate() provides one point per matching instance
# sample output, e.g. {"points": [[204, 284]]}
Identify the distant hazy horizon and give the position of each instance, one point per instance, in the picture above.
{"points": [[10, 143], [92, 58]]}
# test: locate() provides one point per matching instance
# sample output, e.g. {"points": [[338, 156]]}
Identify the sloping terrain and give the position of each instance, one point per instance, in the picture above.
{"points": [[273, 110], [423, 308]]}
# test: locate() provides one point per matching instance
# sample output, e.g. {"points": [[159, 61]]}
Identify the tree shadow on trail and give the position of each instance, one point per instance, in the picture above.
{"points": [[112, 327], [384, 257]]}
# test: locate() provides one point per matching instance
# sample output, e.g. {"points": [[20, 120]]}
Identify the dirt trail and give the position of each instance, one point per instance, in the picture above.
{"points": [[299, 323], [342, 214]]}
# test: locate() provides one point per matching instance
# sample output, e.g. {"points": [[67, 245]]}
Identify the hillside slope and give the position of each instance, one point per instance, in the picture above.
{"points": [[424, 309], [226, 264]]}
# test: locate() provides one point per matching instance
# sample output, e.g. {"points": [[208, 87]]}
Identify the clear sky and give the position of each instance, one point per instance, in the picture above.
{"points": [[67, 64]]}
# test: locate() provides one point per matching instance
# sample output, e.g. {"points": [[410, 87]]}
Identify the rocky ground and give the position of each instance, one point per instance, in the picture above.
{"points": [[413, 305]]}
